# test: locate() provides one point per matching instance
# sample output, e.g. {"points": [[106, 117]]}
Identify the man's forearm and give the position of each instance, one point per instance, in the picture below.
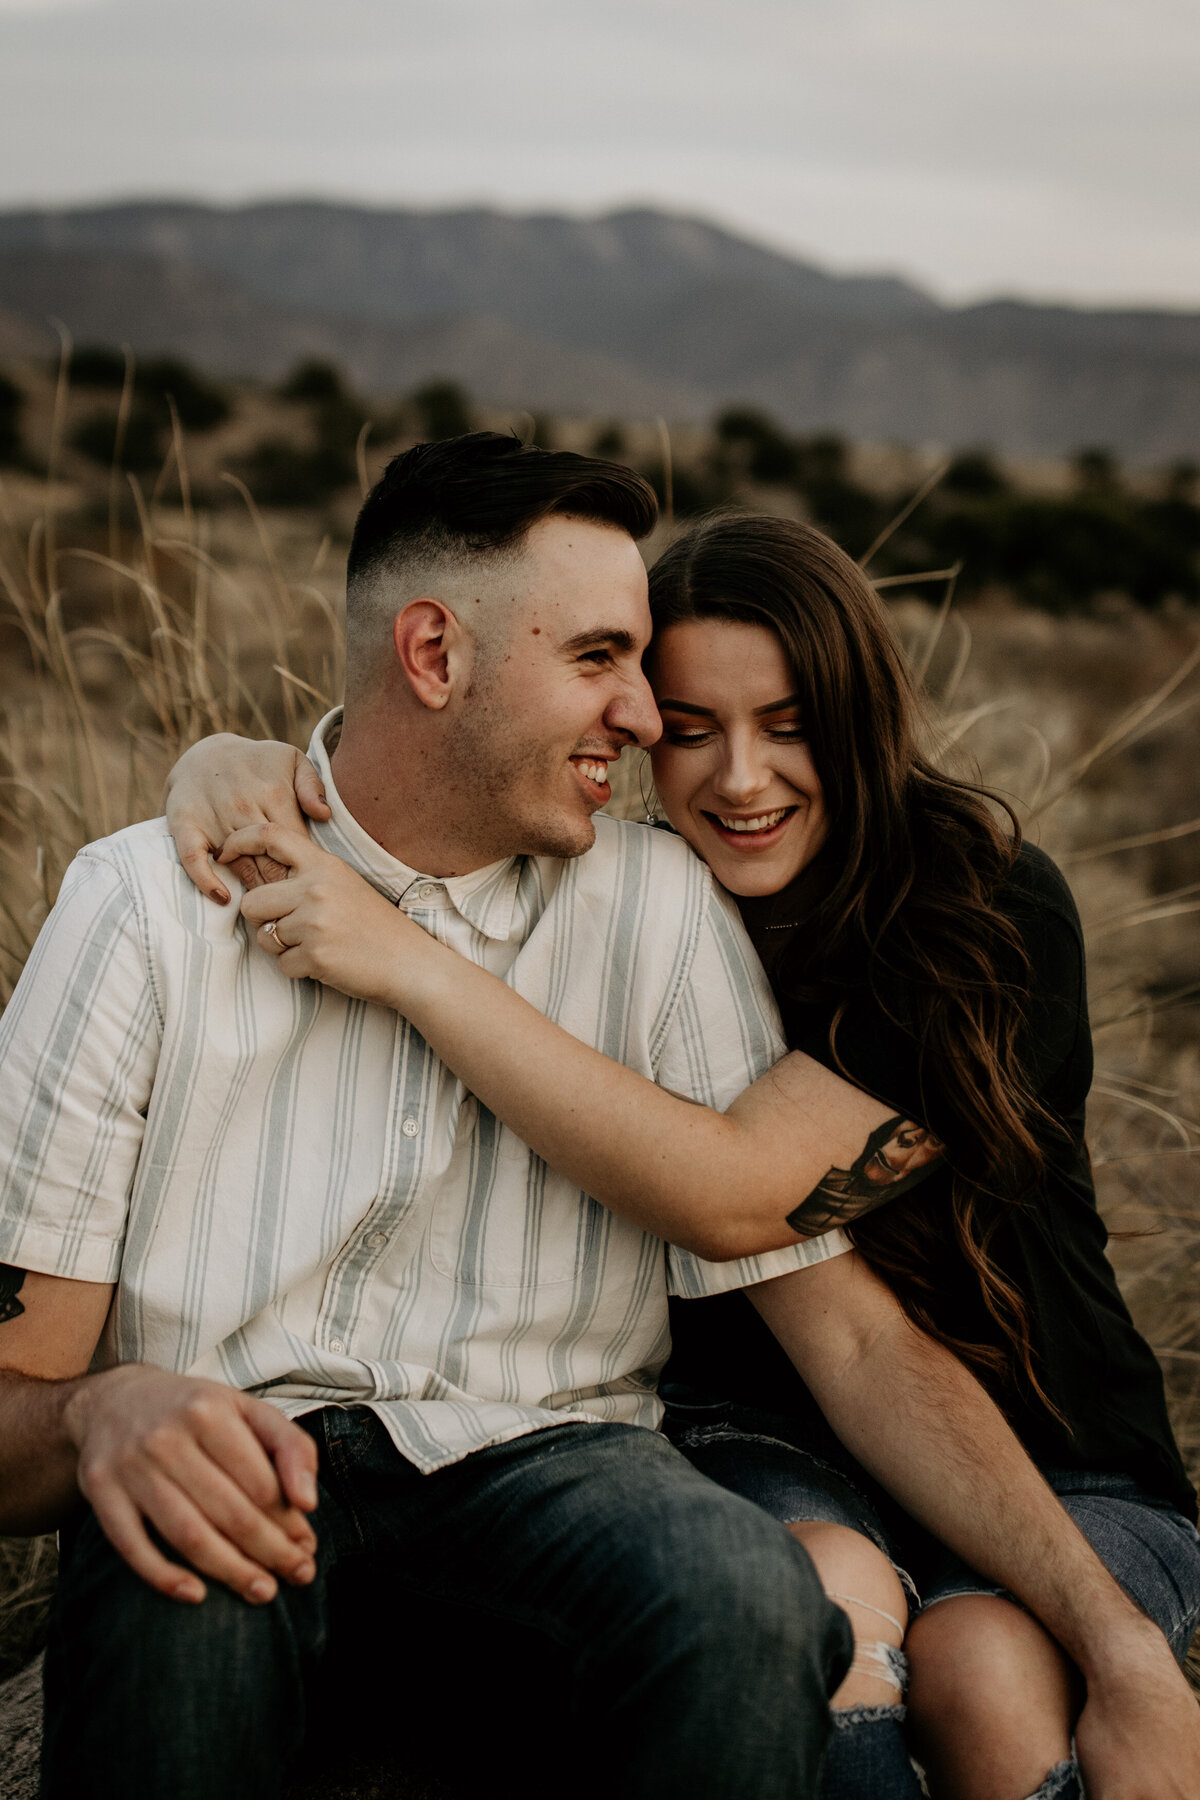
{"points": [[38, 1460], [924, 1427]]}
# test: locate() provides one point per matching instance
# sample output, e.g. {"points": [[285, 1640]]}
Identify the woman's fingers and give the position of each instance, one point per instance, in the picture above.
{"points": [[291, 850], [196, 845], [310, 791]]}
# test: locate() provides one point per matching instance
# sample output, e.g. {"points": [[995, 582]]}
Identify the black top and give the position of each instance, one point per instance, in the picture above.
{"points": [[1096, 1368]]}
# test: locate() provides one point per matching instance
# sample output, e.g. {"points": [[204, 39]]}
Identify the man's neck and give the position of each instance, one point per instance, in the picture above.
{"points": [[392, 791]]}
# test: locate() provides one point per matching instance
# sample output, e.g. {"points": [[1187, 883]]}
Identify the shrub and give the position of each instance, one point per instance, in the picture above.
{"points": [[11, 402], [313, 380], [142, 445], [443, 410]]}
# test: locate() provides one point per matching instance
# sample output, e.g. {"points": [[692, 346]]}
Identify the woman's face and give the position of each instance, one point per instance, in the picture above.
{"points": [[733, 767]]}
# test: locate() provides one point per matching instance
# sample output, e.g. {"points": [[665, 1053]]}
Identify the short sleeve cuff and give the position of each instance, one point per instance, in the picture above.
{"points": [[691, 1278]]}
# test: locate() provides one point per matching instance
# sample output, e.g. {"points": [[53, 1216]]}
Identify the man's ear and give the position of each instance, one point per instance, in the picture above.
{"points": [[432, 650]]}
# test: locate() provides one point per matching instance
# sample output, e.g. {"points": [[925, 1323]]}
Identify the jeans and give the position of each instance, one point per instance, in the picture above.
{"points": [[692, 1646], [795, 1468]]}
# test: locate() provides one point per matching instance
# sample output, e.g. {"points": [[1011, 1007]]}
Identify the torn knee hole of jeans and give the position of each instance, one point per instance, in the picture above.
{"points": [[1061, 1783], [845, 1717], [877, 1661]]}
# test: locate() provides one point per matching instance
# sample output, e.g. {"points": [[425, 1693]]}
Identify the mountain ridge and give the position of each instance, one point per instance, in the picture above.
{"points": [[631, 312]]}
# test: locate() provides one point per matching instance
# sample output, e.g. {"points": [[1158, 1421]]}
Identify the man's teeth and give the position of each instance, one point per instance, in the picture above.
{"points": [[764, 821], [595, 771]]}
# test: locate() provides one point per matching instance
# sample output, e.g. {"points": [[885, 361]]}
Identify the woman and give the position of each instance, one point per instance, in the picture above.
{"points": [[921, 951]]}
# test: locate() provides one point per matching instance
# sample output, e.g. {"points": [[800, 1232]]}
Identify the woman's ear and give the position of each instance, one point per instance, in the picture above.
{"points": [[429, 645]]}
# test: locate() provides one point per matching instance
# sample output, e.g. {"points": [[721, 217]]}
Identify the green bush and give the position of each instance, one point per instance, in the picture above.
{"points": [[443, 410], [11, 402], [142, 446], [313, 380]]}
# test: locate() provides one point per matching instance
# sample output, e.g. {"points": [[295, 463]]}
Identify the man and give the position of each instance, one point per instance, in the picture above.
{"points": [[221, 1187]]}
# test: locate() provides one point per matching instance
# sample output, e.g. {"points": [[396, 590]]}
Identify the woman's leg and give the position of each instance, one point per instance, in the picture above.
{"points": [[992, 1702], [794, 1470], [867, 1757]]}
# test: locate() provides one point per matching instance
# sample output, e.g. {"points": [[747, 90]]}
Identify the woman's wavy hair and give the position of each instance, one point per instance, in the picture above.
{"points": [[908, 911]]}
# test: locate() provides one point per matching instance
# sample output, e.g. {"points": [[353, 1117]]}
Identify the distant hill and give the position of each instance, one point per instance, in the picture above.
{"points": [[635, 313]]}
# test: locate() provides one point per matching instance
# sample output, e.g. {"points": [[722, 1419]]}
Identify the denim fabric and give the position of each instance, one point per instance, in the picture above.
{"points": [[867, 1758], [694, 1646], [1062, 1783], [1153, 1551], [791, 1465]]}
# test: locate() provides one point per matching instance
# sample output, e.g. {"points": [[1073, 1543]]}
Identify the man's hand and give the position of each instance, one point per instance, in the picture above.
{"points": [[227, 782], [1138, 1736], [223, 1477]]}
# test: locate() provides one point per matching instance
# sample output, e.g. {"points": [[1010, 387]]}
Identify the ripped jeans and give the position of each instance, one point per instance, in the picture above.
{"points": [[796, 1469]]}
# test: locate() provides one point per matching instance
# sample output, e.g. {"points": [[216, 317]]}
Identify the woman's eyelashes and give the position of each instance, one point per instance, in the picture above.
{"points": [[690, 737]]}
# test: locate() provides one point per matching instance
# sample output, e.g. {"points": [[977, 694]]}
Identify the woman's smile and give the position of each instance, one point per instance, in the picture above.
{"points": [[734, 768]]}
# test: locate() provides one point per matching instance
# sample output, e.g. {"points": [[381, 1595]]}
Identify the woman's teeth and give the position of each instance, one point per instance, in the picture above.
{"points": [[595, 771], [764, 821]]}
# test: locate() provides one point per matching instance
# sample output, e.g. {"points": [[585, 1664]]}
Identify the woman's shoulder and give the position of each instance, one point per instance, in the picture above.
{"points": [[1036, 890]]}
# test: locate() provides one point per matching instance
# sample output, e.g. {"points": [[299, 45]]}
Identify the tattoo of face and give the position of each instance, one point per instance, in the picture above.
{"points": [[11, 1281], [894, 1158]]}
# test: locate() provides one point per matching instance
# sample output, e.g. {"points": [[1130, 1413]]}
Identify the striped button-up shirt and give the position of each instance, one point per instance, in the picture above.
{"points": [[295, 1196]]}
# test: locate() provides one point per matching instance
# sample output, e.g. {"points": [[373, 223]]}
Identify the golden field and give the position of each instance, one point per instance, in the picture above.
{"points": [[135, 617]]}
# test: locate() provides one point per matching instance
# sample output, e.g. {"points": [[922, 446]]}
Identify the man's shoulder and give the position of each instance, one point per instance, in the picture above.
{"points": [[630, 855], [143, 861], [138, 855]]}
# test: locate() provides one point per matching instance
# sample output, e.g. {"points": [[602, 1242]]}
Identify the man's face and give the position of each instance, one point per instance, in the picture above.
{"points": [[557, 690]]}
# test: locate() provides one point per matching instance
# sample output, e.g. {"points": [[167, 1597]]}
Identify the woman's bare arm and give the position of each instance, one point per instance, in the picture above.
{"points": [[225, 782], [790, 1158]]}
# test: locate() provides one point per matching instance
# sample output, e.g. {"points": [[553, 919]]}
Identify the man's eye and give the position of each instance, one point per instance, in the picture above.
{"points": [[596, 656]]}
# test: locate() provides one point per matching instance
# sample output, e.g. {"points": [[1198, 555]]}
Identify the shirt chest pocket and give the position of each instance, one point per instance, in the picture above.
{"points": [[501, 1218]]}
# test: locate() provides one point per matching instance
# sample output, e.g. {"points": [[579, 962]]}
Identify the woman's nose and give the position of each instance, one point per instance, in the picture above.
{"points": [[742, 775]]}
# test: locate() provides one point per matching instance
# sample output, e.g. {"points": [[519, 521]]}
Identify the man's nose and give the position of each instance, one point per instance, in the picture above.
{"points": [[633, 711]]}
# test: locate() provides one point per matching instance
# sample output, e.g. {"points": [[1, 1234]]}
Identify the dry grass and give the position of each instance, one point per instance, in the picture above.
{"points": [[121, 645]]}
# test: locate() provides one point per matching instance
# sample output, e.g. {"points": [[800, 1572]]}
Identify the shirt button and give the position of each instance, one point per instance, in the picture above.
{"points": [[428, 892], [337, 1346], [410, 1128], [377, 1240]]}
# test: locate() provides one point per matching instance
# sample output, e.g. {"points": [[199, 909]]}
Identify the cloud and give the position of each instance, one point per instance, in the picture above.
{"points": [[1020, 147]]}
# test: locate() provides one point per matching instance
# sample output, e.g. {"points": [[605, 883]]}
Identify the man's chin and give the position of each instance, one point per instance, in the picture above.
{"points": [[564, 837]]}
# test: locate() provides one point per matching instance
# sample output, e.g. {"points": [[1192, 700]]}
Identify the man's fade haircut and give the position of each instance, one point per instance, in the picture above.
{"points": [[477, 496]]}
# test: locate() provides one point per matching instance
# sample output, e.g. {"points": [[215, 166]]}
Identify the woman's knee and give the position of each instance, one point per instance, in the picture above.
{"points": [[858, 1576], [991, 1698]]}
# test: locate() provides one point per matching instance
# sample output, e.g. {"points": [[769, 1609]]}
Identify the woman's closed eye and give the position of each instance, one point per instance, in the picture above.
{"points": [[685, 737]]}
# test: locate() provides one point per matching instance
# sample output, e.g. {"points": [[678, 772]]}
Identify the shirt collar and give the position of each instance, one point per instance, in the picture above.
{"points": [[485, 898]]}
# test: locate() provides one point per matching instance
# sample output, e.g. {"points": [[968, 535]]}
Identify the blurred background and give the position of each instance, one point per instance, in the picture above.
{"points": [[928, 276]]}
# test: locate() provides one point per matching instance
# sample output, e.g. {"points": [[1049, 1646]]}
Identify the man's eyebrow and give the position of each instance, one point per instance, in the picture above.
{"points": [[604, 637], [709, 712]]}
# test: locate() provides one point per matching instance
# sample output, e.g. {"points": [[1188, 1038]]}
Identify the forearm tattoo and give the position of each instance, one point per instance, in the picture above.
{"points": [[11, 1281], [895, 1157]]}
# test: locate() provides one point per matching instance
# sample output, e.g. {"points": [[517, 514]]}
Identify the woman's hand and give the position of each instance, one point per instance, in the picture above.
{"points": [[325, 922], [225, 783]]}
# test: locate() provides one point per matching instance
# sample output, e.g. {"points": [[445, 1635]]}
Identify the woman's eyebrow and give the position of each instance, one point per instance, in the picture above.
{"points": [[708, 712]]}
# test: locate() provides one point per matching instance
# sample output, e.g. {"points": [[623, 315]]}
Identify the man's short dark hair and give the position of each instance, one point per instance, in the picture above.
{"points": [[482, 493]]}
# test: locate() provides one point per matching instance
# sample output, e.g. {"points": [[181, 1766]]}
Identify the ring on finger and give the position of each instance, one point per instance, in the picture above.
{"points": [[272, 931]]}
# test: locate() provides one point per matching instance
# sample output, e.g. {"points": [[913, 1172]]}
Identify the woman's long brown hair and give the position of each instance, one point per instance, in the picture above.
{"points": [[916, 860]]}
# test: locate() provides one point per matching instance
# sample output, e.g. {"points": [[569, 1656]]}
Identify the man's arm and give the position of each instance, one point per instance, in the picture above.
{"points": [[220, 1476], [224, 1478], [920, 1422]]}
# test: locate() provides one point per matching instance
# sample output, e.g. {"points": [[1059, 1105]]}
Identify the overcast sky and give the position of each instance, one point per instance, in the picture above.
{"points": [[1047, 147]]}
